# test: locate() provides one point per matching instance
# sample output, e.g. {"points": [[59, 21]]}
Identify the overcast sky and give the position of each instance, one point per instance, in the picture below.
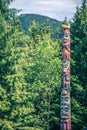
{"points": [[57, 9]]}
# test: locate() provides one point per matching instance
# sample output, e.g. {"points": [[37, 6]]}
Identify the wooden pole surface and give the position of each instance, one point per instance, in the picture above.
{"points": [[65, 87]]}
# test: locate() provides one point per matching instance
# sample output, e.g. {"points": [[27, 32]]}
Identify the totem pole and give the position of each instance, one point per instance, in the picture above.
{"points": [[65, 87]]}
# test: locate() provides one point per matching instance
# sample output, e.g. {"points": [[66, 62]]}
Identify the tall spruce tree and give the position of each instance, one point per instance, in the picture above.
{"points": [[46, 76], [15, 98], [79, 67]]}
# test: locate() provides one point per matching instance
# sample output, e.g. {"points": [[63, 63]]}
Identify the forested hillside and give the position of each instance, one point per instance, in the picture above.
{"points": [[30, 73], [26, 21]]}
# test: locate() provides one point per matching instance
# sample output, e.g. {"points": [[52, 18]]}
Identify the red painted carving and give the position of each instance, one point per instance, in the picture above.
{"points": [[66, 67], [65, 90], [66, 32], [66, 45], [65, 55]]}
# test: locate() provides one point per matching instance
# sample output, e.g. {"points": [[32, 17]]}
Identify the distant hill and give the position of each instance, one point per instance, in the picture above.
{"points": [[26, 20]]}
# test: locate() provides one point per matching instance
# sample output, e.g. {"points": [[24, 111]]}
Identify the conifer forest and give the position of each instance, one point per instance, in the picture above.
{"points": [[31, 68]]}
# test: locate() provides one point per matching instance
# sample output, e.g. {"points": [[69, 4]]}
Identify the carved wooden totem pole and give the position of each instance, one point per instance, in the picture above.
{"points": [[65, 88]]}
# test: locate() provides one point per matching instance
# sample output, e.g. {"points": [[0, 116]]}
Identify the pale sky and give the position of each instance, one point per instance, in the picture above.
{"points": [[56, 9]]}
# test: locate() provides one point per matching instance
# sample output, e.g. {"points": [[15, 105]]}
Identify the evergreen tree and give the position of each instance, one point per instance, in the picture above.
{"points": [[46, 77], [15, 98], [79, 35], [79, 68]]}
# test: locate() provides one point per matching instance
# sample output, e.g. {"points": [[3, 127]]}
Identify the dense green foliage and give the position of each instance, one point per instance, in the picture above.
{"points": [[79, 67], [30, 72], [30, 76]]}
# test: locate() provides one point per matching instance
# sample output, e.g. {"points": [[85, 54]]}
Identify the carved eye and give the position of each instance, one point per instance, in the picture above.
{"points": [[66, 37], [64, 92], [66, 109], [67, 100]]}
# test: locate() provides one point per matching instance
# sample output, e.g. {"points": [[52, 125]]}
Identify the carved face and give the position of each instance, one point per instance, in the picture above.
{"points": [[66, 66], [66, 32], [65, 110]]}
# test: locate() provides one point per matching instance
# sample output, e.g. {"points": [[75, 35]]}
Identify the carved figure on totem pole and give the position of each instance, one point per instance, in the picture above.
{"points": [[65, 88], [65, 24]]}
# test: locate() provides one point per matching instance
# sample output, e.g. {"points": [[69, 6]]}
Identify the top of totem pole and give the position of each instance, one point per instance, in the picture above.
{"points": [[65, 24]]}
